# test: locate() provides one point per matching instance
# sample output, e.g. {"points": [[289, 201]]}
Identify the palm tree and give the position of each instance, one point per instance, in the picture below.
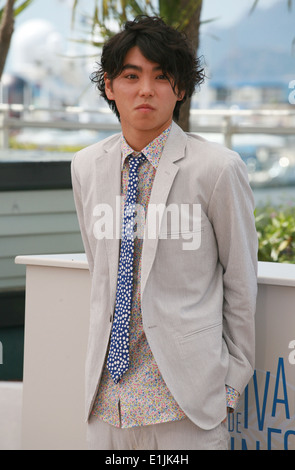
{"points": [[11, 9]]}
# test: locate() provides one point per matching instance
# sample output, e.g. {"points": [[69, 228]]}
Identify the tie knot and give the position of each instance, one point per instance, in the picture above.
{"points": [[136, 160]]}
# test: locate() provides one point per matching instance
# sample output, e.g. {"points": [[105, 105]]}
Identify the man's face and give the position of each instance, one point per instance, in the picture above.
{"points": [[144, 97]]}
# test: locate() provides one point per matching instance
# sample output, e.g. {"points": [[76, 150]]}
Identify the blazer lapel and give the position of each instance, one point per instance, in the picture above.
{"points": [[108, 168], [174, 150]]}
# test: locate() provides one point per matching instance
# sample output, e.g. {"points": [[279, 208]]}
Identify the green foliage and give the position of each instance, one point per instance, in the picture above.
{"points": [[276, 233], [109, 13], [13, 144], [177, 13], [19, 7]]}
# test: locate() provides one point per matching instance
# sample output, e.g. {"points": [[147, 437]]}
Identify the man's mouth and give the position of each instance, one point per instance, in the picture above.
{"points": [[145, 107]]}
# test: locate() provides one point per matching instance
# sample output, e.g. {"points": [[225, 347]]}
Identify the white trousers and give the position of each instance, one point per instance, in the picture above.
{"points": [[174, 435]]}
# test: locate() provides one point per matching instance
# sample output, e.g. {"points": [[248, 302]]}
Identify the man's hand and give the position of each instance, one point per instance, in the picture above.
{"points": [[229, 410]]}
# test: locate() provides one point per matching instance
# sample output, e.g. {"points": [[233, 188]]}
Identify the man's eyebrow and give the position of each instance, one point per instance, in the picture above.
{"points": [[138, 68]]}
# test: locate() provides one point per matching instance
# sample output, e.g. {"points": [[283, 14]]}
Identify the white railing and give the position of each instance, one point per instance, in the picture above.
{"points": [[230, 122], [227, 122], [68, 118]]}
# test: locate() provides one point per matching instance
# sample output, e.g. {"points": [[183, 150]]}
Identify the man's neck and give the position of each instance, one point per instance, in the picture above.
{"points": [[138, 140]]}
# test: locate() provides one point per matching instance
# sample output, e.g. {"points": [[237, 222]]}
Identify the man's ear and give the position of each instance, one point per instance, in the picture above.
{"points": [[181, 95], [108, 87]]}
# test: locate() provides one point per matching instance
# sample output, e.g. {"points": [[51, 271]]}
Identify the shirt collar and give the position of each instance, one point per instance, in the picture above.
{"points": [[152, 151]]}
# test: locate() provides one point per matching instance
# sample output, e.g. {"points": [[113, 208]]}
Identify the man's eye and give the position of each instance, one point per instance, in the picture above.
{"points": [[161, 77], [131, 76]]}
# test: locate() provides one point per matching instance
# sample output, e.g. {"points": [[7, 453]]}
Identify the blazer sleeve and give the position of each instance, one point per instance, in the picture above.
{"points": [[231, 211], [77, 191]]}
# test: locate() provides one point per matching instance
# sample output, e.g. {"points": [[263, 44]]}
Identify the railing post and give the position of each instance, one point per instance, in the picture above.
{"points": [[4, 131], [227, 131]]}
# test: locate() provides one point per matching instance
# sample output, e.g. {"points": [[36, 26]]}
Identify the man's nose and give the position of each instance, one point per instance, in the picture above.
{"points": [[146, 87]]}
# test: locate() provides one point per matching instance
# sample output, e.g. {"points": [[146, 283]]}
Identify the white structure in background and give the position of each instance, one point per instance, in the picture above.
{"points": [[42, 57]]}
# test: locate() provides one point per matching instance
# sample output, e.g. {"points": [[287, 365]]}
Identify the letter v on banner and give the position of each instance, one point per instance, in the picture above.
{"points": [[281, 378], [261, 416]]}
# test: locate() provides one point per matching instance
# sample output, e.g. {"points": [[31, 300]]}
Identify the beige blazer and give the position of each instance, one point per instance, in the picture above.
{"points": [[198, 304]]}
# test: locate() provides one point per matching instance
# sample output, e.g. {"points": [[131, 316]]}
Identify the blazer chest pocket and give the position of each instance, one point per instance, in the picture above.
{"points": [[190, 240], [180, 219]]}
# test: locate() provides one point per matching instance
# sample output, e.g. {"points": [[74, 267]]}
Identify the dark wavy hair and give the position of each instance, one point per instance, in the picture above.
{"points": [[160, 44]]}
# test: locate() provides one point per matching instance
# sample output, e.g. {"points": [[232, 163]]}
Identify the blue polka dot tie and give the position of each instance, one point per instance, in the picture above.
{"points": [[118, 358]]}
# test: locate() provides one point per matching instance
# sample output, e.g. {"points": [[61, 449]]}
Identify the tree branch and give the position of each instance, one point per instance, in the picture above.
{"points": [[6, 31], [192, 30]]}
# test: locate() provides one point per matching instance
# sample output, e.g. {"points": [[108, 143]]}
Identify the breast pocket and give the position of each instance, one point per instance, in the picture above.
{"points": [[186, 251], [183, 222]]}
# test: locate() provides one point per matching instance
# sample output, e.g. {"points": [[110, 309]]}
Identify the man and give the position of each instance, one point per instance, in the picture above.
{"points": [[171, 341]]}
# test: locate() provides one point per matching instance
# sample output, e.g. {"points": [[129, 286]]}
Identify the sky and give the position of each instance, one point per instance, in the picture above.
{"points": [[229, 12], [59, 11]]}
